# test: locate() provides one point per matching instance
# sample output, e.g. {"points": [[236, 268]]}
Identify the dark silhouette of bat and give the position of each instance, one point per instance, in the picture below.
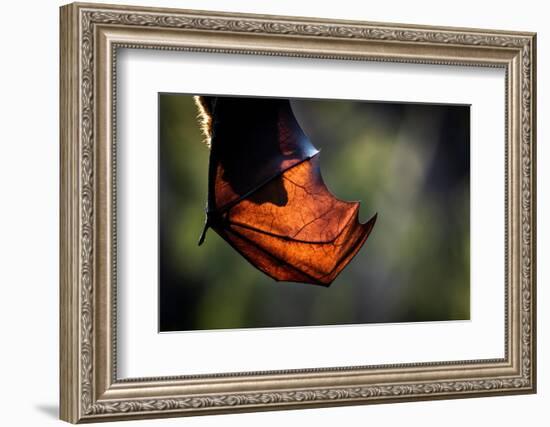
{"points": [[266, 196]]}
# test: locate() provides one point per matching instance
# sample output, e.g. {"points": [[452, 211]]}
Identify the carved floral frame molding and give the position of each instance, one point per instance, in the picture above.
{"points": [[90, 37]]}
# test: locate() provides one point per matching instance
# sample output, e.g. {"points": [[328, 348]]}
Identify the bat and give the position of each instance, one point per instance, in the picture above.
{"points": [[266, 196]]}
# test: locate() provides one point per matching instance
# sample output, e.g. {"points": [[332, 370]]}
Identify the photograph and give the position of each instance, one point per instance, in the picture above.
{"points": [[277, 212]]}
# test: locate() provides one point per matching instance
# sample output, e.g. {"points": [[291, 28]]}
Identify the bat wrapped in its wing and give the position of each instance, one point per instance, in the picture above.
{"points": [[266, 196]]}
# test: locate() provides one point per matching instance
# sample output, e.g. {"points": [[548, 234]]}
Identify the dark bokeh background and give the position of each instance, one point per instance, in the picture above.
{"points": [[407, 162]]}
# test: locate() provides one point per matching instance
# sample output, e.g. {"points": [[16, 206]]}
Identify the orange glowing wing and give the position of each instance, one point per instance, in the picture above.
{"points": [[276, 210]]}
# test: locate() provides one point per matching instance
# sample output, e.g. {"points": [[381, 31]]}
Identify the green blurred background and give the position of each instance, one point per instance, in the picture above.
{"points": [[407, 162]]}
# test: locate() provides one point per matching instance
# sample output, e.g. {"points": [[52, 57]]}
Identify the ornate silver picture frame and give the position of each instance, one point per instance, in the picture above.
{"points": [[91, 35]]}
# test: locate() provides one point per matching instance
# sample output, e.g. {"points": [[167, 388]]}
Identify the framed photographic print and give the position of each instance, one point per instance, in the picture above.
{"points": [[265, 212]]}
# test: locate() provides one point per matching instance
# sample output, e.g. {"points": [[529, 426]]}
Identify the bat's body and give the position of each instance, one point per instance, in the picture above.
{"points": [[266, 196]]}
